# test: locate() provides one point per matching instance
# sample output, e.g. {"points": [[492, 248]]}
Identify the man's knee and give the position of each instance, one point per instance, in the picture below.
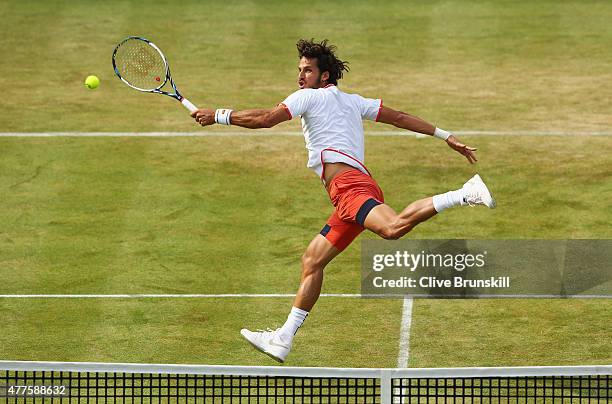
{"points": [[311, 263], [394, 229], [389, 233], [383, 221]]}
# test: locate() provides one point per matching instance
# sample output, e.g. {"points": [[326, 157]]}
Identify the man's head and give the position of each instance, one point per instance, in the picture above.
{"points": [[318, 66]]}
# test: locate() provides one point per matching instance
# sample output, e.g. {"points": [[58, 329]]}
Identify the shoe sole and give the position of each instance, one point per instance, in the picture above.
{"points": [[271, 355], [492, 203]]}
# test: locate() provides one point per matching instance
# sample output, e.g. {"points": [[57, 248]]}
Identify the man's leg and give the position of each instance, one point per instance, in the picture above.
{"points": [[277, 344], [319, 253], [335, 237], [385, 222]]}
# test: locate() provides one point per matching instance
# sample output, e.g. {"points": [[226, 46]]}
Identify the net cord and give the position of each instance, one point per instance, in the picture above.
{"points": [[382, 373]]}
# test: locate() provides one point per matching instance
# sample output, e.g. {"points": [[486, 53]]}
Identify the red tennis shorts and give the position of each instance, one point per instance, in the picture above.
{"points": [[353, 194]]}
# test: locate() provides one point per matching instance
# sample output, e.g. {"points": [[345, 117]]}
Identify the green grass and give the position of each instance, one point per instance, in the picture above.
{"points": [[233, 215], [197, 331], [493, 65]]}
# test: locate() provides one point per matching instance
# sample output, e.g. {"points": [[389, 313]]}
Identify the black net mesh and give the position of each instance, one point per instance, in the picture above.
{"points": [[525, 389], [151, 385], [105, 387]]}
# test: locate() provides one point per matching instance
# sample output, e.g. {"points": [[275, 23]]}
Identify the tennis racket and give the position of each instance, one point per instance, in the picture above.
{"points": [[142, 65]]}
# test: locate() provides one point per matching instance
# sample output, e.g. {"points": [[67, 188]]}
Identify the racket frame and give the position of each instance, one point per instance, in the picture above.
{"points": [[176, 95]]}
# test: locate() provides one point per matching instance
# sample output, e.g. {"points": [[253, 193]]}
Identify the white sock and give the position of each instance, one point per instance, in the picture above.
{"points": [[294, 321], [449, 200]]}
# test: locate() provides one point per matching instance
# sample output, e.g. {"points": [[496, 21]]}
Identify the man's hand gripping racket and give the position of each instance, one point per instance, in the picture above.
{"points": [[142, 65]]}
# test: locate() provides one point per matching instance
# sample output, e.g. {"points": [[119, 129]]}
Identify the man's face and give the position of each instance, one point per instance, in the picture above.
{"points": [[309, 75]]}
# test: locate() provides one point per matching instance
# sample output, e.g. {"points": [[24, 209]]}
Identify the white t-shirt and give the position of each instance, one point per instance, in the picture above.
{"points": [[332, 124]]}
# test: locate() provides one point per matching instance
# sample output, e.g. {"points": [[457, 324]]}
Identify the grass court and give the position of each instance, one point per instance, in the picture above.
{"points": [[233, 214]]}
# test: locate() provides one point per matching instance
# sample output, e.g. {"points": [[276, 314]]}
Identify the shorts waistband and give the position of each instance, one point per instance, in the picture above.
{"points": [[345, 173]]}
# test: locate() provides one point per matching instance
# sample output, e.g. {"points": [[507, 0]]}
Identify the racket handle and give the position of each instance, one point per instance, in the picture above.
{"points": [[187, 104]]}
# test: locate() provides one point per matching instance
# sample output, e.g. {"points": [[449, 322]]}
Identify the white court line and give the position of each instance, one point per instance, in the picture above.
{"points": [[171, 296], [404, 343], [276, 295], [294, 133]]}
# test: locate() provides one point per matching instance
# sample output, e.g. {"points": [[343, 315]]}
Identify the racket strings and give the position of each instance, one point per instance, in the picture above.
{"points": [[140, 65]]}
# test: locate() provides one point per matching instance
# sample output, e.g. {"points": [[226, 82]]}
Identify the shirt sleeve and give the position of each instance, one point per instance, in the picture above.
{"points": [[370, 108], [299, 102]]}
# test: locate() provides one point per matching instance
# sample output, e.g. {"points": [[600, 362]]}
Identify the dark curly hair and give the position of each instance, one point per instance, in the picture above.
{"points": [[326, 59]]}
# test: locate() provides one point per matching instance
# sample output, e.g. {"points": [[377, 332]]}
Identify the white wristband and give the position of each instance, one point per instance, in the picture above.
{"points": [[441, 134], [222, 116]]}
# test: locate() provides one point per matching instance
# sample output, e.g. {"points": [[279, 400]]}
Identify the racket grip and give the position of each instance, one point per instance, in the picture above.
{"points": [[187, 104]]}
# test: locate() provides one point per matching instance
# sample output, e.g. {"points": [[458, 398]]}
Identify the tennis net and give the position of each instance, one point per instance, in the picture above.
{"points": [[63, 382]]}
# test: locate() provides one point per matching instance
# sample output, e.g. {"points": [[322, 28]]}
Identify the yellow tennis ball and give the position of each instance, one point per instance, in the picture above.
{"points": [[92, 82]]}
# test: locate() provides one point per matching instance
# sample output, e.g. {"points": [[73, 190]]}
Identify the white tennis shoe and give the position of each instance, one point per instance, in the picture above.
{"points": [[268, 342], [477, 193]]}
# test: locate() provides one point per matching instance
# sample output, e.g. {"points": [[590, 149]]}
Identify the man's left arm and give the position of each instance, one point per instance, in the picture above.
{"points": [[413, 123], [250, 118]]}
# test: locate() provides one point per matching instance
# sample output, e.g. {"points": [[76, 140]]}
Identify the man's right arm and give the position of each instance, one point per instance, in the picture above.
{"points": [[413, 123], [260, 118], [250, 118]]}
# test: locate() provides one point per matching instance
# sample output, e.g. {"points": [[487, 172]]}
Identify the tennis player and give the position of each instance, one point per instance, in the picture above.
{"points": [[333, 129]]}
